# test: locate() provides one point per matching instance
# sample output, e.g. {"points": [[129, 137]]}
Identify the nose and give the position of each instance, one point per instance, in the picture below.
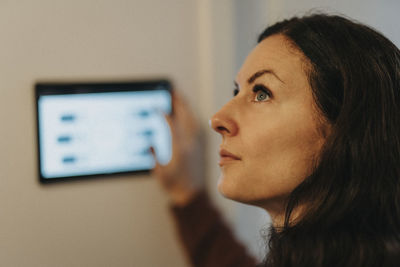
{"points": [[224, 124]]}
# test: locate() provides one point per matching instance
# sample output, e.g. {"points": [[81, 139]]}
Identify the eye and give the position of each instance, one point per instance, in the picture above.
{"points": [[236, 88], [262, 93]]}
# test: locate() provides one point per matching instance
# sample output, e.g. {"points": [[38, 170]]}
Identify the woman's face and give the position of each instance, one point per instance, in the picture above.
{"points": [[270, 129]]}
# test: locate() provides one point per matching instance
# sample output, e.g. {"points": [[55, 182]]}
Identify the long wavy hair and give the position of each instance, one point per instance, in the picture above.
{"points": [[352, 211]]}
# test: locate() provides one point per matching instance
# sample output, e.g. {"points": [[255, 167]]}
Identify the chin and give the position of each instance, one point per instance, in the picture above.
{"points": [[224, 188], [237, 192], [233, 192]]}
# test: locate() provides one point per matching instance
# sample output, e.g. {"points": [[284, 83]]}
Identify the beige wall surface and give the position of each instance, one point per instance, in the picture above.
{"points": [[121, 221]]}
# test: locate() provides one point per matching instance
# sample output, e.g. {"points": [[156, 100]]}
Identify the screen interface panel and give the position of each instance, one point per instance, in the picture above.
{"points": [[101, 133]]}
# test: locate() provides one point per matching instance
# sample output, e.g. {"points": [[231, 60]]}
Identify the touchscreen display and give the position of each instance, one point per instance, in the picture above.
{"points": [[93, 133]]}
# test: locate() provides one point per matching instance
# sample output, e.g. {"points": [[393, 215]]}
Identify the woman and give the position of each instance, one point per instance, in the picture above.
{"points": [[313, 137]]}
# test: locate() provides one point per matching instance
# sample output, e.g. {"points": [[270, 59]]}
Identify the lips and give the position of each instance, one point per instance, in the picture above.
{"points": [[227, 157]]}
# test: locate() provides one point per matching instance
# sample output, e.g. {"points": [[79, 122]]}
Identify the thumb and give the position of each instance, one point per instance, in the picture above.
{"points": [[159, 171], [157, 163]]}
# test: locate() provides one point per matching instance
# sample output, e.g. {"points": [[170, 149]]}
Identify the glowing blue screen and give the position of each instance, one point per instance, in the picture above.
{"points": [[100, 133]]}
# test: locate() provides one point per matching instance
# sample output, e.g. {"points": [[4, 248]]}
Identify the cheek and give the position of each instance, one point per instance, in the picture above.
{"points": [[290, 137], [278, 157]]}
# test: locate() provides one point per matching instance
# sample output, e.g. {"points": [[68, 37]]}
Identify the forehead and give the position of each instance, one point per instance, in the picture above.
{"points": [[278, 54]]}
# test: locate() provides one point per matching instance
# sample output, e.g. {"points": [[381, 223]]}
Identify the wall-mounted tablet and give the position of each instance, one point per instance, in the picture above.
{"points": [[94, 129]]}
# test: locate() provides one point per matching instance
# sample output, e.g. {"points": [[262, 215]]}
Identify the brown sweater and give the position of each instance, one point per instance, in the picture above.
{"points": [[206, 238]]}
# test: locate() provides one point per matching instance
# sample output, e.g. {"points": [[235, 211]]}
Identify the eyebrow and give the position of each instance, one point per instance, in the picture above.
{"points": [[260, 73]]}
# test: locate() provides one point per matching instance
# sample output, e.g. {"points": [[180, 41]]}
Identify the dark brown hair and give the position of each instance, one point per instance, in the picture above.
{"points": [[353, 196]]}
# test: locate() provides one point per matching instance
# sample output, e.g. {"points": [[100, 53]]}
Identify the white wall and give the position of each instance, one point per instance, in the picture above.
{"points": [[120, 221]]}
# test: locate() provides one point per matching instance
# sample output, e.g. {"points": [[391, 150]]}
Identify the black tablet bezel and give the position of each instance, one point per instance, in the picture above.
{"points": [[63, 88]]}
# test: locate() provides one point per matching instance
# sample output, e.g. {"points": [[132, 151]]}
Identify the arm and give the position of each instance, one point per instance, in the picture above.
{"points": [[206, 238]]}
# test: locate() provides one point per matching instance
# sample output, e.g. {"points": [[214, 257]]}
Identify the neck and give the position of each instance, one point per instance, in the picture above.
{"points": [[278, 213]]}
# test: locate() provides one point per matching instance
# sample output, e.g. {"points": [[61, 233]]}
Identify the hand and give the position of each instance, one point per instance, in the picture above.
{"points": [[182, 177]]}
